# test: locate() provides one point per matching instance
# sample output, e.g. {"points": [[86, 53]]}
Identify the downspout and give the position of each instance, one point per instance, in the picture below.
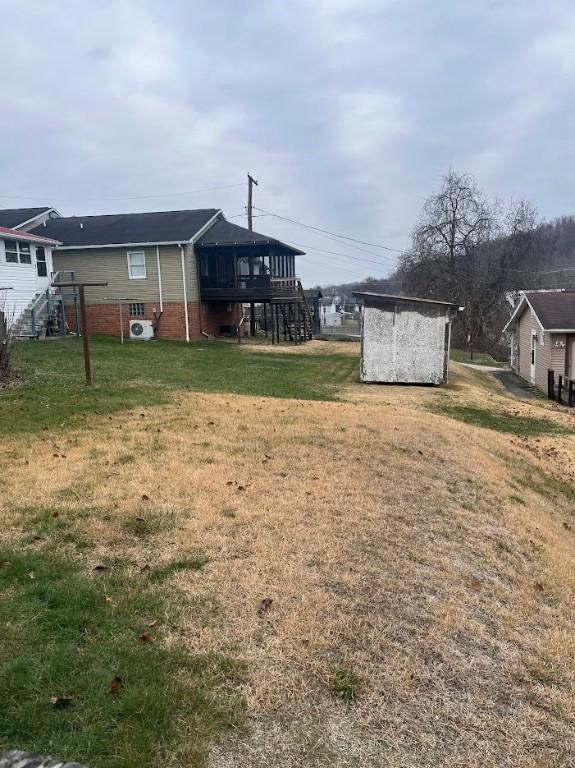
{"points": [[198, 278], [160, 278], [186, 315]]}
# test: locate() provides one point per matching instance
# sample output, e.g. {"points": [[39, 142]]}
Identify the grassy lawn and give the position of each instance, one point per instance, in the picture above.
{"points": [[240, 558], [479, 358], [139, 374], [502, 421]]}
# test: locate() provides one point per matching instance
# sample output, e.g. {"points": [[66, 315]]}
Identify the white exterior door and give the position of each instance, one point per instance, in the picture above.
{"points": [[533, 357], [43, 268], [572, 359]]}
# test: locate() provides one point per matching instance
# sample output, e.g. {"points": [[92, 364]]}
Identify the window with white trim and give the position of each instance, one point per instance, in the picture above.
{"points": [[17, 252], [136, 265]]}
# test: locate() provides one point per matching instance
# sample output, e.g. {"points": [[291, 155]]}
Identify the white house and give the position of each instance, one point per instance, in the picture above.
{"points": [[25, 270]]}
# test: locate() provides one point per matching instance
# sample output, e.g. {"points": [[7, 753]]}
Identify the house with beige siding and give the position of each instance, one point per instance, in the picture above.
{"points": [[542, 335], [185, 274]]}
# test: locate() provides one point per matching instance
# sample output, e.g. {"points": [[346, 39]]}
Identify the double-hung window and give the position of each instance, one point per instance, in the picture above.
{"points": [[17, 252], [136, 265], [11, 248]]}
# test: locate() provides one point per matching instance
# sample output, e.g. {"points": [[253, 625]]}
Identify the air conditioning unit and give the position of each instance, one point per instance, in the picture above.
{"points": [[141, 329]]}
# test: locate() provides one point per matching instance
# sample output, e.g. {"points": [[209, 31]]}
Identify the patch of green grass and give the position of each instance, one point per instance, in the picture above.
{"points": [[228, 512], [147, 524], [193, 563], [345, 684], [500, 421], [126, 458], [548, 486], [135, 375], [65, 633], [479, 358]]}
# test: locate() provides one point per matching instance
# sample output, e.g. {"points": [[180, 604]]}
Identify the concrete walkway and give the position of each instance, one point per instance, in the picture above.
{"points": [[477, 367], [515, 385]]}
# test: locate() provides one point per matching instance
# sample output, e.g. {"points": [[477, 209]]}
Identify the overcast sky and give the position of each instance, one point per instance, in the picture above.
{"points": [[347, 111]]}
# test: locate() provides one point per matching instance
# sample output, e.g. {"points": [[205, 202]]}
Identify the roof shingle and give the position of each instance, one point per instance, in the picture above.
{"points": [[13, 217], [225, 233], [555, 309], [127, 228]]}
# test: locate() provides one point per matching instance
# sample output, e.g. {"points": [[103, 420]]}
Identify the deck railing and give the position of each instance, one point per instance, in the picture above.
{"points": [[558, 387]]}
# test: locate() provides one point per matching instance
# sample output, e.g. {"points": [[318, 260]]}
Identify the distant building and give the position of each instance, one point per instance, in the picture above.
{"points": [[405, 340], [542, 335]]}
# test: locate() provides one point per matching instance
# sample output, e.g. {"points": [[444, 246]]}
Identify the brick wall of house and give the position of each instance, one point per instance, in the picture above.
{"points": [[216, 313], [105, 319]]}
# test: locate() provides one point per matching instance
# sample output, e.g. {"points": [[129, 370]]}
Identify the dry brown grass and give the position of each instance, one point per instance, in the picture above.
{"points": [[405, 546]]}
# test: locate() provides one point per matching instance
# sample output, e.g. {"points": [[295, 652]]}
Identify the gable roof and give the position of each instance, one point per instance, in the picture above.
{"points": [[225, 233], [555, 310], [15, 217], [127, 228], [26, 237]]}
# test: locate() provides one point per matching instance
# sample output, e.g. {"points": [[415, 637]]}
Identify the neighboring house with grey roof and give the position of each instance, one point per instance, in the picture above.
{"points": [[542, 335], [185, 273], [25, 270]]}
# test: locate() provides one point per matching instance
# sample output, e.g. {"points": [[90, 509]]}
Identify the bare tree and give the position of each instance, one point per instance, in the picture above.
{"points": [[469, 250]]}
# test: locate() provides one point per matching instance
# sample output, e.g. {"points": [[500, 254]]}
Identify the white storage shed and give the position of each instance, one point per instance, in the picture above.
{"points": [[405, 340]]}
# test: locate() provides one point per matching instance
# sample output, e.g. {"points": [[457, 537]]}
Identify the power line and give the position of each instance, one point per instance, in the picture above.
{"points": [[344, 255], [327, 232], [138, 197]]}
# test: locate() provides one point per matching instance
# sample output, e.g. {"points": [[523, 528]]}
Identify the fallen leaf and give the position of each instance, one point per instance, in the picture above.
{"points": [[55, 514], [116, 685], [141, 519], [145, 497], [37, 537], [241, 488], [476, 585], [567, 526], [59, 702], [230, 482], [108, 600], [146, 637], [100, 568], [539, 586], [265, 605]]}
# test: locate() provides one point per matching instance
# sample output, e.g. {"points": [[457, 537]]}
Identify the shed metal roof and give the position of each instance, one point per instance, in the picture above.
{"points": [[393, 297]]}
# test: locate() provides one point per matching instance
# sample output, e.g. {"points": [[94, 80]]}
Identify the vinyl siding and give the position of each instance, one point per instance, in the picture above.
{"points": [[547, 355], [111, 265], [24, 283]]}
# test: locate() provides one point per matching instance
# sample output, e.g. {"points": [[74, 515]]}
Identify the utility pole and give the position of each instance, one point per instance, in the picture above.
{"points": [[251, 182]]}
